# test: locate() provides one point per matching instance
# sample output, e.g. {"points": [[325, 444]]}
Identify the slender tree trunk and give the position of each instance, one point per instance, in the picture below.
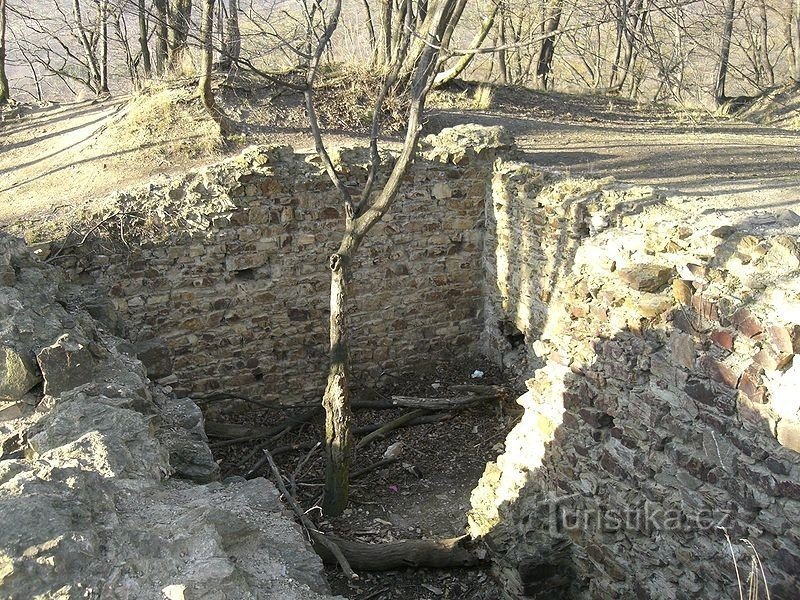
{"points": [[5, 93], [143, 46], [501, 56], [233, 41], [373, 41], [724, 53], [93, 66], [544, 63], [336, 401], [766, 65], [206, 32], [385, 55], [450, 74], [794, 38], [162, 35], [359, 221], [104, 46], [179, 30]]}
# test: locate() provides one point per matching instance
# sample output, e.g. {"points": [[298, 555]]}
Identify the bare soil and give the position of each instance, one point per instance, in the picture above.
{"points": [[75, 154]]}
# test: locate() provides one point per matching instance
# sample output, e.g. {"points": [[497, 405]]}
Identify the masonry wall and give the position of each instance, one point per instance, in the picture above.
{"points": [[227, 268], [659, 345]]}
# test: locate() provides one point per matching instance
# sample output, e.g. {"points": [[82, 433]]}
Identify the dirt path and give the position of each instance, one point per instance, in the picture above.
{"points": [[716, 164]]}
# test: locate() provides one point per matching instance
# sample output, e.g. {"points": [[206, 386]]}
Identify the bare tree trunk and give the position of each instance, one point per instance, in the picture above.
{"points": [[794, 37], [206, 32], [143, 46], [104, 46], [724, 53], [5, 93], [544, 63], [336, 401], [233, 41], [766, 65], [632, 21], [373, 40], [162, 35], [385, 54], [179, 29], [500, 56], [359, 219], [446, 77], [95, 79]]}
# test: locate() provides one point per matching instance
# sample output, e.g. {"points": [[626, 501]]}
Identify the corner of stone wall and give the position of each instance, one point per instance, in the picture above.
{"points": [[661, 344]]}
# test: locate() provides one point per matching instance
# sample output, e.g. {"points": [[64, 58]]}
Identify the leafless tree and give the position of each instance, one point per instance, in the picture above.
{"points": [[724, 53], [361, 214], [5, 92]]}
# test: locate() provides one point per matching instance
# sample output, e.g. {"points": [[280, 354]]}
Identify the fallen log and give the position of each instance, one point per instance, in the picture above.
{"points": [[390, 426], [439, 554], [440, 403]]}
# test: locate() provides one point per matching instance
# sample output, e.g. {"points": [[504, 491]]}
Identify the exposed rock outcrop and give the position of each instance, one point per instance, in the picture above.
{"points": [[99, 470]]}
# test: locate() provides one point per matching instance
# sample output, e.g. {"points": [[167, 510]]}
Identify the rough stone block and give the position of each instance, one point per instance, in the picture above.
{"points": [[18, 373], [646, 277], [65, 365]]}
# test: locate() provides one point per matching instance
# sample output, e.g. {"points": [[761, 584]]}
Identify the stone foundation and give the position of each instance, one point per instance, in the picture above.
{"points": [[657, 341]]}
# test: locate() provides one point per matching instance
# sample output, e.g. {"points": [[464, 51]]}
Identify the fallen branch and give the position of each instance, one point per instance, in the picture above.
{"points": [[440, 403], [390, 426], [364, 430], [317, 538]]}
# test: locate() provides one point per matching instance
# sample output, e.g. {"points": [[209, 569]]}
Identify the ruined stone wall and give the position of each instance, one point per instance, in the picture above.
{"points": [[227, 267], [663, 400]]}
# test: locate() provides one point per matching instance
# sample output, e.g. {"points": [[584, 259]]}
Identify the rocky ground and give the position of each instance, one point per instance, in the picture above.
{"points": [[107, 485]]}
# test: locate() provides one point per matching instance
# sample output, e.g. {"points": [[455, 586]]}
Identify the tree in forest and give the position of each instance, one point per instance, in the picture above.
{"points": [[544, 62], [5, 92], [362, 213], [724, 53]]}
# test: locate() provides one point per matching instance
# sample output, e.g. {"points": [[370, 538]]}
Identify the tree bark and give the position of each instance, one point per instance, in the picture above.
{"points": [[91, 57], [385, 52], [104, 46], [450, 74], [144, 48], [162, 35], [233, 41], [724, 53], [794, 37], [179, 29], [336, 401], [544, 62], [766, 65], [206, 31], [5, 92]]}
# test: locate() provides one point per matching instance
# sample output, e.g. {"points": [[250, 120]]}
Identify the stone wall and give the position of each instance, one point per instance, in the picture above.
{"points": [[659, 341], [227, 268]]}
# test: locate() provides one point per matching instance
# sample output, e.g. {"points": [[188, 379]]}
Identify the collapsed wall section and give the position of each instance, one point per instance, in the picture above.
{"points": [[662, 411], [227, 268]]}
